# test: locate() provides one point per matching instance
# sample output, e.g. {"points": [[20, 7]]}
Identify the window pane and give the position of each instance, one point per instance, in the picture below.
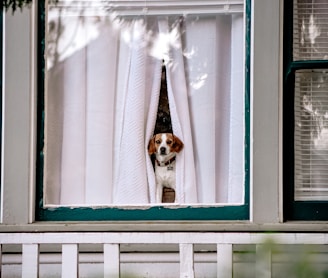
{"points": [[310, 30], [311, 135], [104, 69]]}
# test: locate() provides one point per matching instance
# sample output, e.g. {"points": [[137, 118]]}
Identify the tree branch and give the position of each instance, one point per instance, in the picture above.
{"points": [[14, 4]]}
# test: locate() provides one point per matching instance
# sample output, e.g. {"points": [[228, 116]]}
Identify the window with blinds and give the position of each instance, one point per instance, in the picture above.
{"points": [[311, 135], [310, 45], [310, 30], [305, 110]]}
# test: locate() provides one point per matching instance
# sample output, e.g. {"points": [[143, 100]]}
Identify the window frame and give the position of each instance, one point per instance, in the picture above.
{"points": [[265, 165], [295, 210], [114, 213]]}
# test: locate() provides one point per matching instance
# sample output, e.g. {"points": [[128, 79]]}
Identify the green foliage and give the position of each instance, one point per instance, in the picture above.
{"points": [[299, 260], [14, 4], [18, 4]]}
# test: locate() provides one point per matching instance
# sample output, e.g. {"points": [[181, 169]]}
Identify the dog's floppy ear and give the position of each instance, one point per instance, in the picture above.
{"points": [[177, 144], [151, 146]]}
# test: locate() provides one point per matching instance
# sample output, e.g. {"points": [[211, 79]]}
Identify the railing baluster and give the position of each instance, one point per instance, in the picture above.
{"points": [[0, 260], [70, 261], [263, 261], [30, 260], [186, 260], [224, 261], [111, 260]]}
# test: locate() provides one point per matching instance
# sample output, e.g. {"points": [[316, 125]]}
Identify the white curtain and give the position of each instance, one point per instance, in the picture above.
{"points": [[137, 108], [216, 99], [79, 124], [101, 104]]}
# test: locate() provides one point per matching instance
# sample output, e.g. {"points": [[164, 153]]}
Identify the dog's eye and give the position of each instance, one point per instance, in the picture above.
{"points": [[169, 142], [158, 141]]}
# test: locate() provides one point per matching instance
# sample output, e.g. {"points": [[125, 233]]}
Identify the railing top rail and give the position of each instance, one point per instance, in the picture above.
{"points": [[161, 238]]}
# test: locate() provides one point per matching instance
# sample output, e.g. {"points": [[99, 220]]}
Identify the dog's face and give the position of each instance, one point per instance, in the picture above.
{"points": [[163, 144]]}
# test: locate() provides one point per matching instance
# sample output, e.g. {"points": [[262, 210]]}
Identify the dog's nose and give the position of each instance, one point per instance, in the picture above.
{"points": [[163, 150]]}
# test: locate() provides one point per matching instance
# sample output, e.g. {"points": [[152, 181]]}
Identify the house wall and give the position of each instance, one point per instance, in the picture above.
{"points": [[19, 155]]}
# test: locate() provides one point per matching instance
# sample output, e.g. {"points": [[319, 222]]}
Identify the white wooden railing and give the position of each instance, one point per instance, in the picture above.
{"points": [[111, 242]]}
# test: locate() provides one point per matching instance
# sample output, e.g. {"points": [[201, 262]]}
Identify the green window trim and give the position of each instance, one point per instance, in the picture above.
{"points": [[230, 212], [295, 210]]}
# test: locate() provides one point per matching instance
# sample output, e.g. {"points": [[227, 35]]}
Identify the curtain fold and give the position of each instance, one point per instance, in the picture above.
{"points": [[201, 66], [86, 167], [215, 89], [131, 186], [100, 118], [73, 155], [186, 191]]}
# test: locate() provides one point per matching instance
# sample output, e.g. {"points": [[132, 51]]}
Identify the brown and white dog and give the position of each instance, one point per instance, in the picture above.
{"points": [[165, 146]]}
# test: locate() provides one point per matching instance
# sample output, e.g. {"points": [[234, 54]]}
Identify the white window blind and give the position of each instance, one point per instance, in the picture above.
{"points": [[311, 135], [310, 30], [153, 7]]}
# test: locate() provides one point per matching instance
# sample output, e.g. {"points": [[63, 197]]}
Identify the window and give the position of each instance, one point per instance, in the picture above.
{"points": [[99, 101], [306, 110]]}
